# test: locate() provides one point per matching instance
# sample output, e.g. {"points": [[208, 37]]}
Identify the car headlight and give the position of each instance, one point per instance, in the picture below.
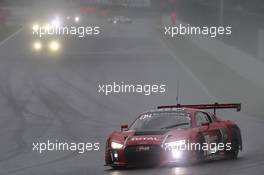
{"points": [[37, 46], [47, 27], [175, 145], [77, 19], [176, 154], [55, 22], [35, 27], [116, 145], [176, 148], [54, 46]]}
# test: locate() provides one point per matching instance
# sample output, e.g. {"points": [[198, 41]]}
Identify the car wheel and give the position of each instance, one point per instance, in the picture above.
{"points": [[233, 153], [200, 155]]}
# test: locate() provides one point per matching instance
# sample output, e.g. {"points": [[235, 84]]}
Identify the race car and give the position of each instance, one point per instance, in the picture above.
{"points": [[43, 37], [48, 45], [72, 19], [120, 20], [173, 135]]}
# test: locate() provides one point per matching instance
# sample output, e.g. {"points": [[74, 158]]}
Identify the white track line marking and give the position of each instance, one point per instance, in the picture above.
{"points": [[11, 36]]}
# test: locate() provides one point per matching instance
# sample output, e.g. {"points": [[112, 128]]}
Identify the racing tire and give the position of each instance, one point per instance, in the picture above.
{"points": [[233, 153], [200, 154]]}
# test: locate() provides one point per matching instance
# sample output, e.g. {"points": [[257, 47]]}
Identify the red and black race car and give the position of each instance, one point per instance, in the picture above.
{"points": [[175, 134]]}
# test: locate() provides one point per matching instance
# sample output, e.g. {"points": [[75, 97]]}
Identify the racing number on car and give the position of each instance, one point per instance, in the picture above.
{"points": [[145, 116]]}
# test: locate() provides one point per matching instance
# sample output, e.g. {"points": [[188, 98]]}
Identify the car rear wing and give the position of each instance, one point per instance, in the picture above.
{"points": [[213, 106]]}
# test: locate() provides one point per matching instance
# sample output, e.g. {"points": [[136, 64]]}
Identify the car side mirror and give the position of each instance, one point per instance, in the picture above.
{"points": [[124, 127], [206, 124]]}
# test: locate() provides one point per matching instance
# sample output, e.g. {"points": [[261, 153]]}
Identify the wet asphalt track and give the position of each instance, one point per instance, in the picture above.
{"points": [[56, 97]]}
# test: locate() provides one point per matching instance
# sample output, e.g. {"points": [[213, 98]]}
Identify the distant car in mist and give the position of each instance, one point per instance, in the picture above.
{"points": [[120, 20]]}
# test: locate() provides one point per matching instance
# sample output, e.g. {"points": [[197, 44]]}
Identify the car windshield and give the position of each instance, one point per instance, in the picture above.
{"points": [[162, 120]]}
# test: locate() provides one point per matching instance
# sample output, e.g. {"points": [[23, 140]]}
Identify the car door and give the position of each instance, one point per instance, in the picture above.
{"points": [[211, 132]]}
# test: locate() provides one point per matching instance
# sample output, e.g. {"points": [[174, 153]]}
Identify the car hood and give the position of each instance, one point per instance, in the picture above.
{"points": [[151, 137]]}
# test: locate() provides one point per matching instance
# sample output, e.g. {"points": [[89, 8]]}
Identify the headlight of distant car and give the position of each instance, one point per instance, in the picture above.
{"points": [[116, 145], [55, 22], [46, 27], [77, 19], [35, 27], [37, 46], [54, 46]]}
